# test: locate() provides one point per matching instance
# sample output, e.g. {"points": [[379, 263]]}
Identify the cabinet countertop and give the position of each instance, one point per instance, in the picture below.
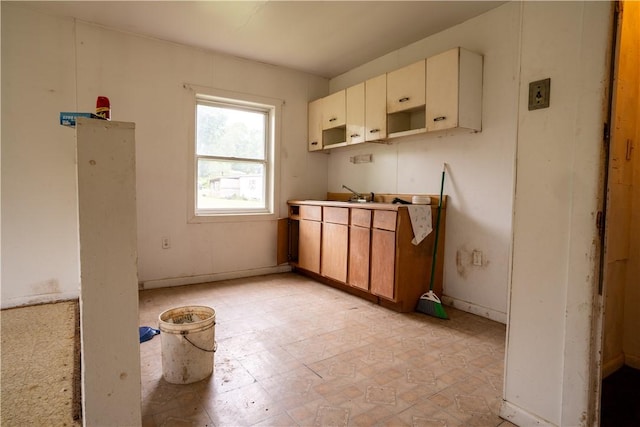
{"points": [[369, 205], [356, 205]]}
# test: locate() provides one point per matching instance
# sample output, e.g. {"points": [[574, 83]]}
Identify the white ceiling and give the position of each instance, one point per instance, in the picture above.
{"points": [[326, 38]]}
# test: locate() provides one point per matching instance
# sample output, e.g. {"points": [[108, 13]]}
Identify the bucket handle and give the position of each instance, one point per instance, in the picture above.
{"points": [[184, 335]]}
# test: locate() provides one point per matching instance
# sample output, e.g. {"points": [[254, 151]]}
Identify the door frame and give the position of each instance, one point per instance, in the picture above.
{"points": [[604, 224]]}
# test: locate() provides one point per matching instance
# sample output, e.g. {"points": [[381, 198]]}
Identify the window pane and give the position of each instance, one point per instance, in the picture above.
{"points": [[230, 185], [228, 132]]}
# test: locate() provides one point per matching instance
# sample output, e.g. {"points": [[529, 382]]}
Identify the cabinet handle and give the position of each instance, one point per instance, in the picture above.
{"points": [[333, 119], [405, 99], [439, 119], [314, 143], [374, 130], [355, 135]]}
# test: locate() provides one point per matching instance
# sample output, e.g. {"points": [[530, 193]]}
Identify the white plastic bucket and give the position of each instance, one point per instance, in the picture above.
{"points": [[188, 343]]}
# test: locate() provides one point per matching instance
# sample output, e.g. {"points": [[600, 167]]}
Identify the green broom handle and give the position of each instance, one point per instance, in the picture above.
{"points": [[435, 246]]}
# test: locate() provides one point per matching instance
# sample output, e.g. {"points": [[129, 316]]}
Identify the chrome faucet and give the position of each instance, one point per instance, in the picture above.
{"points": [[357, 197]]}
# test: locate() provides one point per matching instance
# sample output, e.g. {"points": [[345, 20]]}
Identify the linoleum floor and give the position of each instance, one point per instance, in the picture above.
{"points": [[293, 352]]}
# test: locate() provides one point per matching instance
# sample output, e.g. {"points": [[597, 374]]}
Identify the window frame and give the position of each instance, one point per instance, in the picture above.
{"points": [[272, 108]]}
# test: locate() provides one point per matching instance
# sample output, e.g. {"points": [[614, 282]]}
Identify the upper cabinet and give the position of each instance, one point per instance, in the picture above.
{"points": [[334, 112], [334, 120], [406, 100], [375, 111], [315, 124], [454, 90], [406, 88], [442, 92], [355, 114]]}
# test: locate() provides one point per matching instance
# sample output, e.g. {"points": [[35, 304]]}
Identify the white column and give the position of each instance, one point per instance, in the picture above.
{"points": [[108, 271]]}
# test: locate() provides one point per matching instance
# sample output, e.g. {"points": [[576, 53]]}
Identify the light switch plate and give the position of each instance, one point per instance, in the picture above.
{"points": [[539, 93]]}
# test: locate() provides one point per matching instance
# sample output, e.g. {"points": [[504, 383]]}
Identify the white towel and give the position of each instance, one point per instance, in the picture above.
{"points": [[420, 216]]}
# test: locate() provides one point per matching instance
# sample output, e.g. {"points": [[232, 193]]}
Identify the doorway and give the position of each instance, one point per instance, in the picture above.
{"points": [[621, 264]]}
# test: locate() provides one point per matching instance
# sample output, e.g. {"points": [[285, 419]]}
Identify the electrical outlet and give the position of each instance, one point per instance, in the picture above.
{"points": [[166, 244], [477, 258], [539, 94]]}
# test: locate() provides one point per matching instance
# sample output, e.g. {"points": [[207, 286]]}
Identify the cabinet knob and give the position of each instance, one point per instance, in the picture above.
{"points": [[314, 143], [405, 99], [439, 119], [355, 135], [374, 130], [333, 119]]}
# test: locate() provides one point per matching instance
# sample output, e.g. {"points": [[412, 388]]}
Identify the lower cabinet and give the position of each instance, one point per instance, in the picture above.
{"points": [[310, 231], [368, 249], [309, 246], [383, 253], [359, 248], [383, 261], [335, 241]]}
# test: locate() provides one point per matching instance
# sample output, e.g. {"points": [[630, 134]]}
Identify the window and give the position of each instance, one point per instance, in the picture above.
{"points": [[234, 152]]}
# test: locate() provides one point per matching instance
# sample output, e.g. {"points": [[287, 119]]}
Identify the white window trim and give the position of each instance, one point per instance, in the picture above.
{"points": [[273, 154]]}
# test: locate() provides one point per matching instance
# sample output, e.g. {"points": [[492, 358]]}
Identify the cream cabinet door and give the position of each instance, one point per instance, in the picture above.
{"points": [[454, 90], [375, 110], [406, 87], [314, 113], [355, 114], [442, 87], [334, 110]]}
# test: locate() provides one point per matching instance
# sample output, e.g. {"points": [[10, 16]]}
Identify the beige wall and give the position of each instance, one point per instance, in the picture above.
{"points": [[555, 255], [545, 257], [52, 64], [480, 167]]}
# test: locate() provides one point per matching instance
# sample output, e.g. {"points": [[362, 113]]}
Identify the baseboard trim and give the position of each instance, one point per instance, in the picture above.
{"points": [[610, 366], [632, 361], [39, 299], [518, 416], [216, 277], [475, 309]]}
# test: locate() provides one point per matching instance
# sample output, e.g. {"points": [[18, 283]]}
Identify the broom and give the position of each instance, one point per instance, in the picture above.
{"points": [[429, 303]]}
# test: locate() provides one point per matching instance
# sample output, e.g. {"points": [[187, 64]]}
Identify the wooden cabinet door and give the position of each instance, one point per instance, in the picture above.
{"points": [[315, 125], [383, 260], [335, 240], [375, 110], [359, 244], [334, 110], [406, 87], [309, 245], [442, 90], [355, 114]]}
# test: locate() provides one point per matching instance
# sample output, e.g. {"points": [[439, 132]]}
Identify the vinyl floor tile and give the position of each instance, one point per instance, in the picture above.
{"points": [[293, 352]]}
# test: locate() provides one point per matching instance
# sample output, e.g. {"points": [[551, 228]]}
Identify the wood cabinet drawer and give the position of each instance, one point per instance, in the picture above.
{"points": [[384, 220], [361, 217], [336, 215], [313, 213]]}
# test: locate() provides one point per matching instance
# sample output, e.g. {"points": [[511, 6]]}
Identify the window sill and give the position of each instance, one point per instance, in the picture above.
{"points": [[232, 217]]}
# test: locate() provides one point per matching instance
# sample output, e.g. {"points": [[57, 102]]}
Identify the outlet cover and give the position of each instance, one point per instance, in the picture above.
{"points": [[539, 93], [166, 243], [477, 258]]}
